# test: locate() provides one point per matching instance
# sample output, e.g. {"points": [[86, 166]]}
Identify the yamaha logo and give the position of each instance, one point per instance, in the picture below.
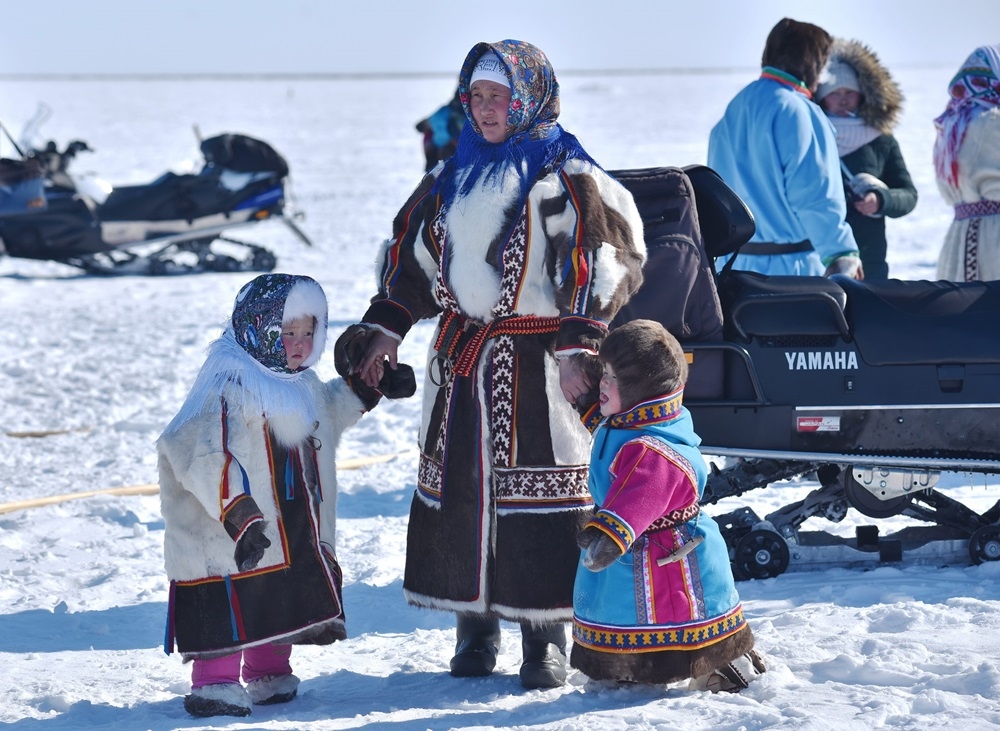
{"points": [[818, 360]]}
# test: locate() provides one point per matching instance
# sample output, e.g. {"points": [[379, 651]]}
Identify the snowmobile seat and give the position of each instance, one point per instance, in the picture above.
{"points": [[678, 288], [900, 322], [761, 306]]}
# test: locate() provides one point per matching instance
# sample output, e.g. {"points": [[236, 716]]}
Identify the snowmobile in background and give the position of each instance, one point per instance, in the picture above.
{"points": [[168, 226], [877, 390]]}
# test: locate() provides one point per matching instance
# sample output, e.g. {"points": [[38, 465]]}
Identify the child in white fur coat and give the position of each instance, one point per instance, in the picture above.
{"points": [[248, 491]]}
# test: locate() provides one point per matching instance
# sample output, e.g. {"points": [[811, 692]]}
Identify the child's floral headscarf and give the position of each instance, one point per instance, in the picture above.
{"points": [[270, 300], [975, 86]]}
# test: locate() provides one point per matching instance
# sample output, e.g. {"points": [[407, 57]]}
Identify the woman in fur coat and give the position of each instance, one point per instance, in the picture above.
{"points": [[655, 600], [864, 103], [967, 169], [248, 490], [523, 249]]}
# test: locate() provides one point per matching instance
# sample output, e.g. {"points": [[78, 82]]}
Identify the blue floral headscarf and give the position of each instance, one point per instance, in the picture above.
{"points": [[247, 367], [268, 301], [534, 141]]}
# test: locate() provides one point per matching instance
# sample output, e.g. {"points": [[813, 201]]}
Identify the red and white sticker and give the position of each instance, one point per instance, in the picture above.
{"points": [[817, 423]]}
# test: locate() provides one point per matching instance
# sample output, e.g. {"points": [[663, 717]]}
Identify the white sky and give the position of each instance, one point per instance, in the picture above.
{"points": [[330, 36]]}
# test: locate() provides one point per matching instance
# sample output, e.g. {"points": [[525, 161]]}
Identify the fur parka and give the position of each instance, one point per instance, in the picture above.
{"points": [[224, 468], [520, 268]]}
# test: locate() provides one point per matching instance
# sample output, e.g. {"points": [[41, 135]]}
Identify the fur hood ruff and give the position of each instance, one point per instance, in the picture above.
{"points": [[882, 100]]}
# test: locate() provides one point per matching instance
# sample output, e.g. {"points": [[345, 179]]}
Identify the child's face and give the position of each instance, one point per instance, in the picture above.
{"points": [[297, 338], [611, 401]]}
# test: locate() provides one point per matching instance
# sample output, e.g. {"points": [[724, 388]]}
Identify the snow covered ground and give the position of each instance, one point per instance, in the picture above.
{"points": [[82, 589]]}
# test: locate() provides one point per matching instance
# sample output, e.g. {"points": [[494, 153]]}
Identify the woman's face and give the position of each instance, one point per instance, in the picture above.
{"points": [[841, 102], [489, 102], [611, 400]]}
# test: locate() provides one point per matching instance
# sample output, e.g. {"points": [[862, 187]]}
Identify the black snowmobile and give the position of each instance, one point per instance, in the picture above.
{"points": [[873, 389], [168, 226]]}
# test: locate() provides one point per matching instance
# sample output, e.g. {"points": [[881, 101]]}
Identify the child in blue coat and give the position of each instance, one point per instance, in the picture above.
{"points": [[654, 599]]}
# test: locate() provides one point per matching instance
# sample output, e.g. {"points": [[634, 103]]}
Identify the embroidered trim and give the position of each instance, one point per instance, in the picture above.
{"points": [[614, 527], [674, 518], [656, 411], [429, 473], [972, 251], [541, 487], [977, 209], [692, 635]]}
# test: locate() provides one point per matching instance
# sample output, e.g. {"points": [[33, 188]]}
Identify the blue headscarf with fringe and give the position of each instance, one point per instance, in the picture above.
{"points": [[534, 141]]}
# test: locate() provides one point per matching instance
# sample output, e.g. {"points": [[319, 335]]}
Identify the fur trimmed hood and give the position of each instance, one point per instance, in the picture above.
{"points": [[882, 100]]}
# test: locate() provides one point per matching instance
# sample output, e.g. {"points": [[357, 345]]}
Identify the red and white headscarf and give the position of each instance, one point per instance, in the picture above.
{"points": [[974, 87]]}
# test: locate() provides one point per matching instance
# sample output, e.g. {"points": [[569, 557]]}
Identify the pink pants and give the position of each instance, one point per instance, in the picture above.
{"points": [[258, 662]]}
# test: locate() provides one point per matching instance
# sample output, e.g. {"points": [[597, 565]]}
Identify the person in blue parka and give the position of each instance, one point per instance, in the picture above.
{"points": [[776, 149]]}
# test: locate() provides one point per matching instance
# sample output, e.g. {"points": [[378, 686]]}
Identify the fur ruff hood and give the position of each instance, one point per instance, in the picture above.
{"points": [[882, 100]]}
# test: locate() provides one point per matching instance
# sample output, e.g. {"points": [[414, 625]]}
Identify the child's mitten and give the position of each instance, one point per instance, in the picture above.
{"points": [[599, 550], [251, 546]]}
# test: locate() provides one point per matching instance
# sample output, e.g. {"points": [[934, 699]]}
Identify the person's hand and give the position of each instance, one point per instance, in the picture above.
{"points": [[381, 348], [868, 204], [251, 546], [574, 381], [601, 553], [849, 266]]}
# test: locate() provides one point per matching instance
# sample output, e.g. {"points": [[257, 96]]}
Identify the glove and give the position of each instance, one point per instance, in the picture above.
{"points": [[399, 383], [849, 266], [351, 347], [601, 553], [251, 546]]}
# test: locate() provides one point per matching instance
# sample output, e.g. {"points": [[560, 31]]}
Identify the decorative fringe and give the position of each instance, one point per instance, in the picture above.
{"points": [[249, 388], [235, 615]]}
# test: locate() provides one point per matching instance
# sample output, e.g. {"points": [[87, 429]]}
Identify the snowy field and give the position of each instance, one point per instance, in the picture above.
{"points": [[108, 362]]}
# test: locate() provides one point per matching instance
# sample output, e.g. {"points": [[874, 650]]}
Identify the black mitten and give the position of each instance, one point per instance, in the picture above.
{"points": [[350, 348], [398, 383], [368, 395], [601, 553], [251, 546]]}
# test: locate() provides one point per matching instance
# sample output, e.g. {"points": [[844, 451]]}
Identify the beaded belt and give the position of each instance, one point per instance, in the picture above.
{"points": [[977, 209], [466, 337]]}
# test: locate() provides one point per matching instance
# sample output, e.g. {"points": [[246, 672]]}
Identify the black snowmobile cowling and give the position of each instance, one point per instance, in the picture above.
{"points": [[876, 388], [164, 227]]}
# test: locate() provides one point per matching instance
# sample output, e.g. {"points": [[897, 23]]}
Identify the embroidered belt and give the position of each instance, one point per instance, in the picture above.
{"points": [[977, 209], [768, 248], [674, 518], [463, 338]]}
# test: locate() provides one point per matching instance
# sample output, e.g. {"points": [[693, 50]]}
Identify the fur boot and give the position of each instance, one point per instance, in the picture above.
{"points": [[222, 699], [273, 689], [733, 677]]}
